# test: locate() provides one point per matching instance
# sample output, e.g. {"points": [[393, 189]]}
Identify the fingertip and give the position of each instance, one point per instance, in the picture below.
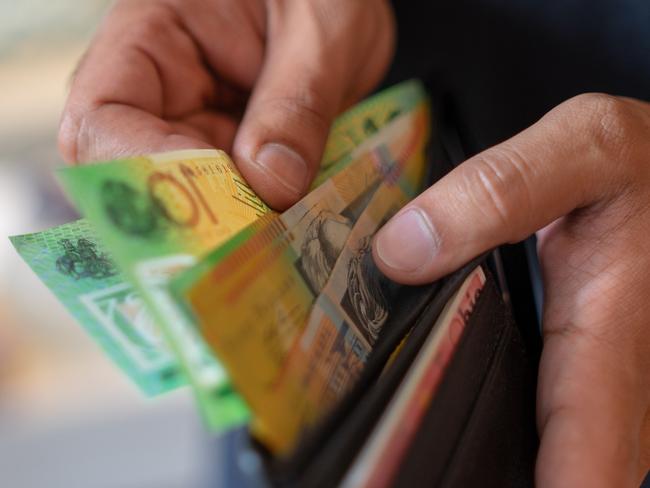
{"points": [[407, 247], [278, 163], [277, 173], [281, 139]]}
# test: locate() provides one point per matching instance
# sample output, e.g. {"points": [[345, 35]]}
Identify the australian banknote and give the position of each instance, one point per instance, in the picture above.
{"points": [[138, 217], [251, 304], [360, 123], [252, 297], [74, 264], [157, 215]]}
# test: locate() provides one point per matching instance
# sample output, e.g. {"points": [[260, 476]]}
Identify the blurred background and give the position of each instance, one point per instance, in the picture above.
{"points": [[68, 417]]}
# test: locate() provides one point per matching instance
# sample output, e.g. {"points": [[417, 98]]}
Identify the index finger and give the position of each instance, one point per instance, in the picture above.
{"points": [[141, 71]]}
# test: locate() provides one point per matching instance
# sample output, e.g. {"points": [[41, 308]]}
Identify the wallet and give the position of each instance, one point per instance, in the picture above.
{"points": [[474, 426]]}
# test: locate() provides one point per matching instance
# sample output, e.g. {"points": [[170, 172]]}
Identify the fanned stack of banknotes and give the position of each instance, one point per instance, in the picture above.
{"points": [[184, 276]]}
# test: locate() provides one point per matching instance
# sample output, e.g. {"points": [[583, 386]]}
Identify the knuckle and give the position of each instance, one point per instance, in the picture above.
{"points": [[499, 184], [608, 121], [613, 132], [152, 24]]}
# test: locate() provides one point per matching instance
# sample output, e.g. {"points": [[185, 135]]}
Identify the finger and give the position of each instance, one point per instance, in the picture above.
{"points": [[230, 34], [115, 131], [579, 154], [593, 392], [143, 62], [589, 417], [303, 85]]}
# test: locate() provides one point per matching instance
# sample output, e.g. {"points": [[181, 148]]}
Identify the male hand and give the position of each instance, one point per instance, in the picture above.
{"points": [[260, 79], [582, 175]]}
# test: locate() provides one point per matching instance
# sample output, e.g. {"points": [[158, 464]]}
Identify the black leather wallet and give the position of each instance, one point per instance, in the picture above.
{"points": [[478, 426]]}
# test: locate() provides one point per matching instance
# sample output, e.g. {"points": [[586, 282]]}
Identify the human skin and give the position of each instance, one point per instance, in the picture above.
{"points": [[582, 176], [264, 79]]}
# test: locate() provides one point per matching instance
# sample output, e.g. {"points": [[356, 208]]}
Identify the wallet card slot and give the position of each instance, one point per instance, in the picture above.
{"points": [[325, 453], [432, 449], [499, 443]]}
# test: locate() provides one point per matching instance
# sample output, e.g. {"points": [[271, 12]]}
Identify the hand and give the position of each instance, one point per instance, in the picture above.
{"points": [[582, 175], [260, 79]]}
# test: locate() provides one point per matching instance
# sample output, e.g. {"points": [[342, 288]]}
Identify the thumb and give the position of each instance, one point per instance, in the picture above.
{"points": [[581, 154], [305, 80]]}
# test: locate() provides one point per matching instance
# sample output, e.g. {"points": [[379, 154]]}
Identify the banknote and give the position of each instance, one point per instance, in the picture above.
{"points": [[271, 263], [334, 344], [147, 215], [157, 215], [179, 212], [353, 306], [252, 297], [357, 125], [74, 264], [380, 457], [347, 133]]}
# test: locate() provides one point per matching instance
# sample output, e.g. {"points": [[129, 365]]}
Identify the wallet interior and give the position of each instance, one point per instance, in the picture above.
{"points": [[478, 429], [479, 425]]}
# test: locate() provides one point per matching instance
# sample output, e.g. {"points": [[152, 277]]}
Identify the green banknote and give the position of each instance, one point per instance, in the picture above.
{"points": [[355, 128], [74, 264], [158, 215]]}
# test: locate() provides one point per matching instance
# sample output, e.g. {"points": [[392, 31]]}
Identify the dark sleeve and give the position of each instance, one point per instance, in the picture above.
{"points": [[507, 62]]}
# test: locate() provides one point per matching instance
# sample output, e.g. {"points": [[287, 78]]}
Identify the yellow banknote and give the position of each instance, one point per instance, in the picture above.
{"points": [[252, 297]]}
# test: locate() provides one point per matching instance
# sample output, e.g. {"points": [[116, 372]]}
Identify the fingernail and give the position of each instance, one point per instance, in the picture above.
{"points": [[285, 165], [407, 242]]}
